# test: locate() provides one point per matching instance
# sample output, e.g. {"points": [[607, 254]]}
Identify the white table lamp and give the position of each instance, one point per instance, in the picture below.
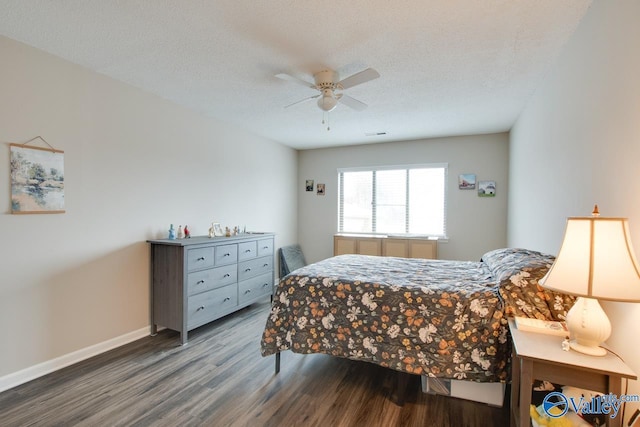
{"points": [[596, 262]]}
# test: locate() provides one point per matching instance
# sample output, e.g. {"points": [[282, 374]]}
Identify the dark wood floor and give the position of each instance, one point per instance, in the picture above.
{"points": [[220, 379]]}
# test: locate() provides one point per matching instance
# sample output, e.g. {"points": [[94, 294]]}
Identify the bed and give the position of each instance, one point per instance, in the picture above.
{"points": [[437, 318]]}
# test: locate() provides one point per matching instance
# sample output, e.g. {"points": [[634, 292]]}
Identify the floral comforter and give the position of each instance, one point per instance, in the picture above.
{"points": [[427, 317]]}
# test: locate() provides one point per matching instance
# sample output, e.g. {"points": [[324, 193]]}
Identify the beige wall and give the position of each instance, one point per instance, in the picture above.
{"points": [[133, 164], [578, 143], [474, 224]]}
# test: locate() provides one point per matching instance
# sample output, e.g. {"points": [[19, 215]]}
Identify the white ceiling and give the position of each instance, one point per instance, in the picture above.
{"points": [[447, 67]]}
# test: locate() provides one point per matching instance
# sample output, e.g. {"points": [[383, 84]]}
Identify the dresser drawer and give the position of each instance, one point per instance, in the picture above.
{"points": [[212, 278], [265, 247], [206, 306], [226, 254], [255, 287], [255, 267], [199, 258], [247, 250]]}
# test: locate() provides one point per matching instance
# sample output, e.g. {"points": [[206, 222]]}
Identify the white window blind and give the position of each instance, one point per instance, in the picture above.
{"points": [[393, 200]]}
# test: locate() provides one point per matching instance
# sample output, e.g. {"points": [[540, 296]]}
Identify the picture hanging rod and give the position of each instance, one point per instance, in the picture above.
{"points": [[43, 140]]}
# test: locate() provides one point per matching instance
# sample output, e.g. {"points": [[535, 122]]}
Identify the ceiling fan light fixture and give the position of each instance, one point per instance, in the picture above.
{"points": [[327, 102]]}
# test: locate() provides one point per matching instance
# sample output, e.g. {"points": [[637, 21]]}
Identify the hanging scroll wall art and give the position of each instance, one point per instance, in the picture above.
{"points": [[37, 179]]}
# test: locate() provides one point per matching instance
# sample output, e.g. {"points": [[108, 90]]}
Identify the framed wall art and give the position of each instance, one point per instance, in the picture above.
{"points": [[37, 179], [467, 181], [486, 188], [308, 185]]}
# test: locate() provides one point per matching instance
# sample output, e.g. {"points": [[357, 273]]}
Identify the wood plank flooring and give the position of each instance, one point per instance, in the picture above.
{"points": [[220, 379]]}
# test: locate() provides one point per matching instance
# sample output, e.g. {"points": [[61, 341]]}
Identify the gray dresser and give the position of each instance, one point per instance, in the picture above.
{"points": [[195, 281]]}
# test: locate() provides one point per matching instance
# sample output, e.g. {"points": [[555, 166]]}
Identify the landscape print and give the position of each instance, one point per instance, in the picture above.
{"points": [[487, 188], [467, 181], [37, 180]]}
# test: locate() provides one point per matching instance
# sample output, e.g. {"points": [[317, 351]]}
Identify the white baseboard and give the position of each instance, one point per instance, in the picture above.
{"points": [[31, 373]]}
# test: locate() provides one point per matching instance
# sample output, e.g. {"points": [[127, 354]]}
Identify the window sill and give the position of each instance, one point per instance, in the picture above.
{"points": [[444, 239]]}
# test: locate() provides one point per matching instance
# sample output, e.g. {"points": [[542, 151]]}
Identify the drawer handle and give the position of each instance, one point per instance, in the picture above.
{"points": [[265, 285], [247, 270], [226, 275], [226, 299], [265, 247], [265, 265], [248, 291], [200, 308], [247, 251], [200, 282], [227, 254], [200, 259]]}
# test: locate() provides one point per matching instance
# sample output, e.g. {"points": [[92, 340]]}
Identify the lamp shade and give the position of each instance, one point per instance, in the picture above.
{"points": [[596, 260]]}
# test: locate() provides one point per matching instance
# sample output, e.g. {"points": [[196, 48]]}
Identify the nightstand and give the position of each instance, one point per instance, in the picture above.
{"points": [[540, 356]]}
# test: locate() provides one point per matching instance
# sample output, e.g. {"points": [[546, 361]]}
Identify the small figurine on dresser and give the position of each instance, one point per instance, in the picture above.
{"points": [[172, 232], [212, 231], [180, 232], [236, 230], [227, 232], [187, 233]]}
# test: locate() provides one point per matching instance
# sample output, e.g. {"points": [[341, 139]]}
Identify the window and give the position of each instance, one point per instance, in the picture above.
{"points": [[393, 200]]}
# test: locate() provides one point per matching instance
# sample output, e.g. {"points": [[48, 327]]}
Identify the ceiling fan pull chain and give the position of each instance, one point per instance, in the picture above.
{"points": [[325, 118]]}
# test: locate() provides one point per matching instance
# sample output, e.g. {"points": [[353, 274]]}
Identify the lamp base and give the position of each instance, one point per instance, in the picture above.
{"points": [[592, 351], [588, 326]]}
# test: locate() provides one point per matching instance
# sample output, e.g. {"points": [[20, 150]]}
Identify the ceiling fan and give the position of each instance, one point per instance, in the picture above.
{"points": [[330, 88]]}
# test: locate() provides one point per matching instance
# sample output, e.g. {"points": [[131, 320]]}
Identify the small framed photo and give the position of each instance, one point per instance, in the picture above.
{"points": [[309, 185], [217, 229], [320, 189], [467, 181], [486, 188]]}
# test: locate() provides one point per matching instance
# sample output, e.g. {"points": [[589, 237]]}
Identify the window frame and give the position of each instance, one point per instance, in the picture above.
{"points": [[408, 167]]}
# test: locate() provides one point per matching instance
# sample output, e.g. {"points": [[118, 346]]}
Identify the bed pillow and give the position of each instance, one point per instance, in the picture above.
{"points": [[517, 272]]}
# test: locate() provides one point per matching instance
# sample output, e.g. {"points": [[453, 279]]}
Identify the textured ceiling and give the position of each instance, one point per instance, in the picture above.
{"points": [[446, 67]]}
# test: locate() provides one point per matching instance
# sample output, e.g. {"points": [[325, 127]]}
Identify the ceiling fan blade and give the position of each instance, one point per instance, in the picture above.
{"points": [[359, 78], [302, 100], [289, 78], [352, 102]]}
